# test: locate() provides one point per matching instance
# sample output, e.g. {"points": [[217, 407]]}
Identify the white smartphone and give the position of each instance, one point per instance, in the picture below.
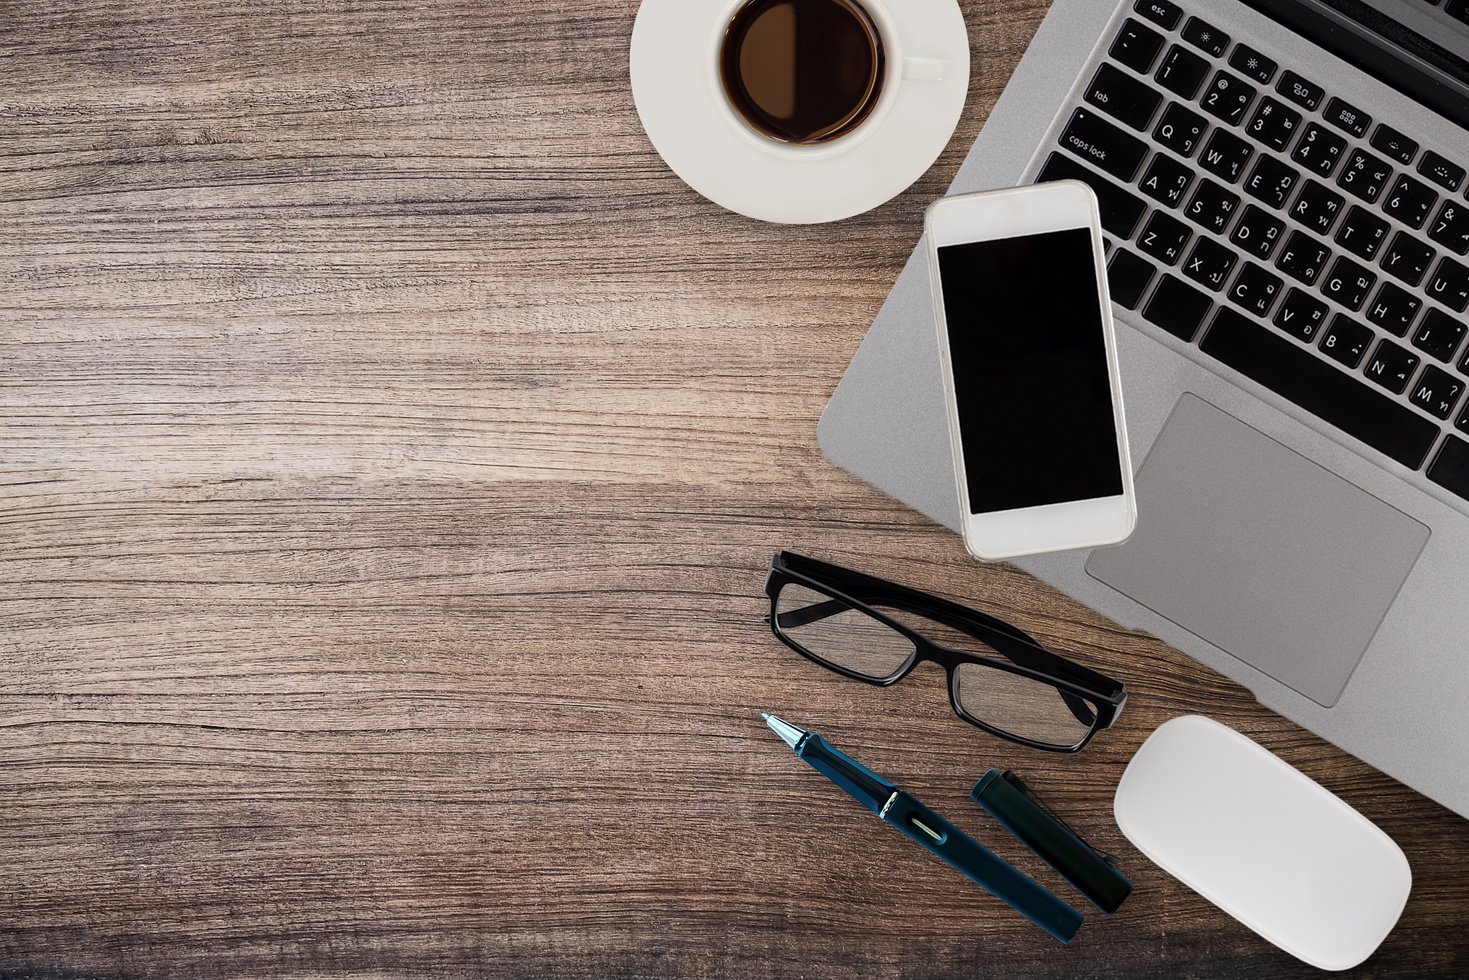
{"points": [[1029, 359]]}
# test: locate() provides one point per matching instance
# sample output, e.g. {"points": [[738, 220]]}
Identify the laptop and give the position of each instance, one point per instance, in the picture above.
{"points": [[1283, 191]]}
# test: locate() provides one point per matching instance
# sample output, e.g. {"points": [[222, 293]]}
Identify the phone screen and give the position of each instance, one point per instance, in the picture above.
{"points": [[1029, 359]]}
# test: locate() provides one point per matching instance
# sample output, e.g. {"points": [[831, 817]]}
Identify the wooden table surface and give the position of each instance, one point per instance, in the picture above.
{"points": [[392, 450]]}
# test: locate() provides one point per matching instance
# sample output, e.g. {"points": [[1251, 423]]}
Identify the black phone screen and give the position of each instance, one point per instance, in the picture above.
{"points": [[1030, 371]]}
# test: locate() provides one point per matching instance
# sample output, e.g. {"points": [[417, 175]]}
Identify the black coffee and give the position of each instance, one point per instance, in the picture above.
{"points": [[802, 71]]}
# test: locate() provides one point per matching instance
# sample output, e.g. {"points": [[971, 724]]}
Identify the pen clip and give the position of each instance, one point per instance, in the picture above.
{"points": [[1015, 781]]}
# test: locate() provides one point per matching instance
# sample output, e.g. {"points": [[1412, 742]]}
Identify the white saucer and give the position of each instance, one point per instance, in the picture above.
{"points": [[675, 83]]}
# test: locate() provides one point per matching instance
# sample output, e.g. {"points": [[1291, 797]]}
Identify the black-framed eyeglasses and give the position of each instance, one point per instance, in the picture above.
{"points": [[1000, 678]]}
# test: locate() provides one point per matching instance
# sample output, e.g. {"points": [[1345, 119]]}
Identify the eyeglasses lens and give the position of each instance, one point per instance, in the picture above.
{"points": [[837, 634], [1022, 706]]}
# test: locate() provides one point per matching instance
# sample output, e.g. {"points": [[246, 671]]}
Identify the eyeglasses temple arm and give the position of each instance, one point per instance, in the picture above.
{"points": [[1080, 710], [813, 613]]}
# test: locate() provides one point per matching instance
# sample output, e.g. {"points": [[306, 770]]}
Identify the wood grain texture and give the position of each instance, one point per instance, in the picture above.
{"points": [[391, 451]]}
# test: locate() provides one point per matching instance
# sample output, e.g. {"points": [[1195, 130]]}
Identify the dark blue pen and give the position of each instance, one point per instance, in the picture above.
{"points": [[925, 827]]}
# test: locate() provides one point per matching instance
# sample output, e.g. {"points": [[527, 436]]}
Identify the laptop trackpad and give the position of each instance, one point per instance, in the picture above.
{"points": [[1260, 551]]}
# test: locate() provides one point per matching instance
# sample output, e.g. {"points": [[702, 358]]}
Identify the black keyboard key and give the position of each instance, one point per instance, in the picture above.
{"points": [[1226, 155], [1437, 392], [1227, 97], [1407, 258], [1450, 285], [1393, 143], [1121, 211], [1442, 171], [1258, 232], [1347, 117], [1180, 129], [1451, 228], [1394, 309], [1128, 278], [1365, 175], [1362, 233], [1332, 395], [1391, 366], [1212, 206], [1252, 64], [1255, 289], [1348, 283], [1317, 207], [1103, 145], [1457, 9], [1319, 149], [1271, 181], [1178, 308], [1159, 12], [1303, 258], [1182, 72], [1164, 238], [1123, 97], [1136, 46], [1346, 341], [1274, 123], [1440, 335], [1409, 201], [1450, 468], [1165, 180], [1209, 264], [1206, 37], [1303, 93], [1301, 315]]}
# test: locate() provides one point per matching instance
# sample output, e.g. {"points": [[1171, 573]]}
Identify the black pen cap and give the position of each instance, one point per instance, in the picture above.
{"points": [[1010, 802]]}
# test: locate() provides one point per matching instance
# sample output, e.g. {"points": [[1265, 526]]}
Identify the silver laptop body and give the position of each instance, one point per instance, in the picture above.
{"points": [[1307, 538]]}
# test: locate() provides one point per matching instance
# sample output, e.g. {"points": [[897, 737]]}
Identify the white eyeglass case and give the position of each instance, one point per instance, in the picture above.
{"points": [[1264, 842]]}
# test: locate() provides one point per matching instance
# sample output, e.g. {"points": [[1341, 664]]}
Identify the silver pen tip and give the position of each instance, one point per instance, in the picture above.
{"points": [[788, 733]]}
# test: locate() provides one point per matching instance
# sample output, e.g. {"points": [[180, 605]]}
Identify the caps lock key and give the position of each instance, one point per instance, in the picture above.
{"points": [[1104, 145]]}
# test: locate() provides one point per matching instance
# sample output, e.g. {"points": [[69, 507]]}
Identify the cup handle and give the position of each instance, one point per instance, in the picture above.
{"points": [[924, 69]]}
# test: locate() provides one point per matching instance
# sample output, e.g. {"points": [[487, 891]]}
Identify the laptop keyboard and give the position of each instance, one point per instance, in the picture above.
{"points": [[1283, 231]]}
